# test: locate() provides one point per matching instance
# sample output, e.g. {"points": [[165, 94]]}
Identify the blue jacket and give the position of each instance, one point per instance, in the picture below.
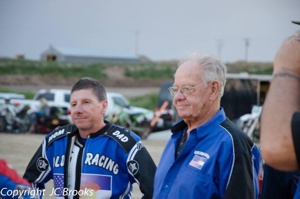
{"points": [[217, 161], [297, 193], [107, 165]]}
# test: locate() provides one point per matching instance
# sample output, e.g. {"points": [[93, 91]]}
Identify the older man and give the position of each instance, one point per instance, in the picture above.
{"points": [[207, 156]]}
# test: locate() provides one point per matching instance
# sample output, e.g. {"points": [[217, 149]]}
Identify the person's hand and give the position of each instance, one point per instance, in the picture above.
{"points": [[24, 191], [287, 58]]}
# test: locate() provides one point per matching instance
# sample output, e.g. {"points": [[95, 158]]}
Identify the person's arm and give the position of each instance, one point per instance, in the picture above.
{"points": [[283, 100], [143, 169], [36, 168], [10, 181], [11, 173], [243, 179]]}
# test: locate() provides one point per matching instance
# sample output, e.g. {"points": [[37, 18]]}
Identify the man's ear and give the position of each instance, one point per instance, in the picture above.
{"points": [[215, 90], [104, 106]]}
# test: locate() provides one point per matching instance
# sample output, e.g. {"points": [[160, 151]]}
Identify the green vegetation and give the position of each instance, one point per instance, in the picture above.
{"points": [[28, 94], [147, 101], [251, 68], [26, 67], [167, 70], [150, 71]]}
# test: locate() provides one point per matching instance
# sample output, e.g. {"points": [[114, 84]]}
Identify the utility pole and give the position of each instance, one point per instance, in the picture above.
{"points": [[136, 42], [247, 44]]}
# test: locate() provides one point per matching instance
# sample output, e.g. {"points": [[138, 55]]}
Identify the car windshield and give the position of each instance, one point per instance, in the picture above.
{"points": [[121, 102], [47, 96], [67, 97]]}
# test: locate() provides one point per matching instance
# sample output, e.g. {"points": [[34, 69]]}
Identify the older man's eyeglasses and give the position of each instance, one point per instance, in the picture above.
{"points": [[185, 90]]}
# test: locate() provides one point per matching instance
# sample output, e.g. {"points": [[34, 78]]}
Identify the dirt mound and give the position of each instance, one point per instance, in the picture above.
{"points": [[116, 78]]}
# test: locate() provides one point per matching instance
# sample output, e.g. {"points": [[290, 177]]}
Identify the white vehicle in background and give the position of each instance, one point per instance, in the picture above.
{"points": [[58, 98], [54, 97], [119, 111], [61, 98], [116, 103], [14, 117]]}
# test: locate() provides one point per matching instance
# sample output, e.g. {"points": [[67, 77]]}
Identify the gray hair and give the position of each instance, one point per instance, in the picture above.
{"points": [[212, 69]]}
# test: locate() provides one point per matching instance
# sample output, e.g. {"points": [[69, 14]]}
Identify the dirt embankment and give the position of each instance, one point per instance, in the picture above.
{"points": [[116, 78], [116, 82]]}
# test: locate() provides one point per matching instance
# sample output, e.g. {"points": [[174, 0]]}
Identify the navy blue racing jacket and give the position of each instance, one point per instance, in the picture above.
{"points": [[106, 166]]}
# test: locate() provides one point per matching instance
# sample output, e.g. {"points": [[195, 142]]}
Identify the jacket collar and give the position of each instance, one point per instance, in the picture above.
{"points": [[101, 131], [218, 118]]}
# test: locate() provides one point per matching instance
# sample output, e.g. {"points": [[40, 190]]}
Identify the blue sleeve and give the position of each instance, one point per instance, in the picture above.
{"points": [[295, 127], [5, 182], [7, 185]]}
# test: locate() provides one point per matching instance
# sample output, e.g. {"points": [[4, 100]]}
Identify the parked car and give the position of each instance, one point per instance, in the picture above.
{"points": [[11, 96]]}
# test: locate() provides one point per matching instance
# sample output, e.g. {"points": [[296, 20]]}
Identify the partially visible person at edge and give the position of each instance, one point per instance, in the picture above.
{"points": [[280, 120], [11, 184], [207, 156], [99, 158], [279, 184]]}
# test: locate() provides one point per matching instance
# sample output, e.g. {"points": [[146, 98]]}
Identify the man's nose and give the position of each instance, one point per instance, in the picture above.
{"points": [[77, 108], [179, 94]]}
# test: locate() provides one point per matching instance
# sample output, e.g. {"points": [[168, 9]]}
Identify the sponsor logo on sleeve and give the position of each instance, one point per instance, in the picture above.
{"points": [[42, 164], [133, 166]]}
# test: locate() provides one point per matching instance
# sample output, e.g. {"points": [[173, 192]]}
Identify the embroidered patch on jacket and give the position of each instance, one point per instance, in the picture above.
{"points": [[133, 166], [198, 161], [96, 186], [42, 164]]}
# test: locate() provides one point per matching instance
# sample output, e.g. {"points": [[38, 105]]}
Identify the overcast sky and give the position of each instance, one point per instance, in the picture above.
{"points": [[158, 29]]}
